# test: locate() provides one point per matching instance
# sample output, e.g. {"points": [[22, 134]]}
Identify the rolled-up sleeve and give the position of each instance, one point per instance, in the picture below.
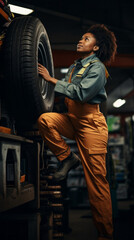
{"points": [[87, 88]]}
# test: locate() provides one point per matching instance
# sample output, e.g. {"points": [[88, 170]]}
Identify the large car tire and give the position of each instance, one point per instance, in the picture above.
{"points": [[28, 95]]}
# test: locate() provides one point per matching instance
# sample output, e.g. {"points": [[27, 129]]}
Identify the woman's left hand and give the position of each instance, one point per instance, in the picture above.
{"points": [[44, 72]]}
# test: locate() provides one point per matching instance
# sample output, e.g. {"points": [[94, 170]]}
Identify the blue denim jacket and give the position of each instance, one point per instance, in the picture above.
{"points": [[89, 87]]}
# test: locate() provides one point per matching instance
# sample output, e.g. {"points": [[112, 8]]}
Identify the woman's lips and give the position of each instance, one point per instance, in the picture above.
{"points": [[79, 46]]}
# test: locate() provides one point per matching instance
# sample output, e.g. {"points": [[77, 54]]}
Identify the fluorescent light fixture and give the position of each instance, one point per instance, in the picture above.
{"points": [[64, 70], [119, 102], [20, 10]]}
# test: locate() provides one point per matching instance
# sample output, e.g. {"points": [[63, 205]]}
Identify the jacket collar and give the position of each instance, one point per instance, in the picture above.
{"points": [[86, 60]]}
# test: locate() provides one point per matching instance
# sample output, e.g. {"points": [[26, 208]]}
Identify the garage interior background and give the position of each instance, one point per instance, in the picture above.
{"points": [[65, 22]]}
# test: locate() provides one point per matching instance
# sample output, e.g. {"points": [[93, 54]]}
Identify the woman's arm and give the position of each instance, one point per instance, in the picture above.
{"points": [[86, 88], [83, 91]]}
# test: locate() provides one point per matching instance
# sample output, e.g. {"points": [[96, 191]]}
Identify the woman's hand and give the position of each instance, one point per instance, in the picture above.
{"points": [[45, 74]]}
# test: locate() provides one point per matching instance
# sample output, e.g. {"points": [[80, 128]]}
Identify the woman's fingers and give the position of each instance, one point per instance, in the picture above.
{"points": [[40, 65], [39, 69], [43, 72]]}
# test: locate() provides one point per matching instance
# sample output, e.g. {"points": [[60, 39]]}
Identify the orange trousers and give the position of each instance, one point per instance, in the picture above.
{"points": [[85, 124]]}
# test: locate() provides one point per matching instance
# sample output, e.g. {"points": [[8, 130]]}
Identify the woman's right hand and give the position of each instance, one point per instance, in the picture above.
{"points": [[44, 72]]}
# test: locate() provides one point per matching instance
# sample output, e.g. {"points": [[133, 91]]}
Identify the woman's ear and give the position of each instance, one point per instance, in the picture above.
{"points": [[95, 48]]}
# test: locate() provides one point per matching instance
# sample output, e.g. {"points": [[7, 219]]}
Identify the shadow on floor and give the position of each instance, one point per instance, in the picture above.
{"points": [[82, 226]]}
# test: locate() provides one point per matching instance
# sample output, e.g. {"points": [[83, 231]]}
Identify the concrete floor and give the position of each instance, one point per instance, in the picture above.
{"points": [[79, 223], [82, 226]]}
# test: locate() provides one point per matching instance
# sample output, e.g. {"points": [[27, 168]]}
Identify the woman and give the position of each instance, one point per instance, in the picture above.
{"points": [[84, 89]]}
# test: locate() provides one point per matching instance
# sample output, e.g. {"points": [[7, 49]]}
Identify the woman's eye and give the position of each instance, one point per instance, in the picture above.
{"points": [[86, 39]]}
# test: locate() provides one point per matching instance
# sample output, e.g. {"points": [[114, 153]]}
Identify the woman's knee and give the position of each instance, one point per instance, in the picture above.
{"points": [[43, 120], [39, 120]]}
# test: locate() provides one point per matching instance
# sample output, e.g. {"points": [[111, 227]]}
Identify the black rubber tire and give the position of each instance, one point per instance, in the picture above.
{"points": [[28, 95]]}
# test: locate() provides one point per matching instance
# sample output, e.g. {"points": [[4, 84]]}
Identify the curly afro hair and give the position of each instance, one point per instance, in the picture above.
{"points": [[106, 41]]}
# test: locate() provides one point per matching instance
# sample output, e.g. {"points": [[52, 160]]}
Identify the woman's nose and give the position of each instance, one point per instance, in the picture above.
{"points": [[80, 40]]}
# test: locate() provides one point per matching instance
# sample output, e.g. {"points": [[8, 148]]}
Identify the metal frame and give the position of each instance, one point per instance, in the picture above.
{"points": [[18, 194]]}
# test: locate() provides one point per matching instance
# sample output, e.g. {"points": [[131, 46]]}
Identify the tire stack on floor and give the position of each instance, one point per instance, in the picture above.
{"points": [[51, 204]]}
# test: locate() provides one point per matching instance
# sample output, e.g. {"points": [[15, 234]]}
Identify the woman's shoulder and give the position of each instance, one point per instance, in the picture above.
{"points": [[97, 64]]}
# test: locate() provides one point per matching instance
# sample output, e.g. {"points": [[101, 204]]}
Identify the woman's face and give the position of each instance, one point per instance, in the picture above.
{"points": [[87, 44]]}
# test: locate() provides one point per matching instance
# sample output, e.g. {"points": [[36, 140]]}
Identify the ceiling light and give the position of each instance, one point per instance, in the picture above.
{"points": [[119, 102], [20, 10], [64, 70]]}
